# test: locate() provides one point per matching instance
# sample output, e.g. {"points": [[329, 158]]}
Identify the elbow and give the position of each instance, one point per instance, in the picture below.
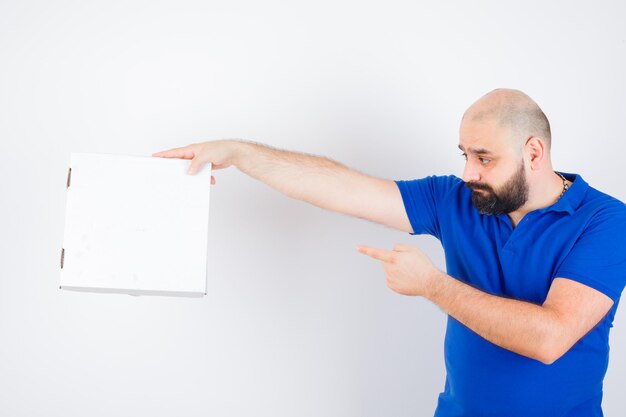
{"points": [[555, 341], [549, 353], [548, 358]]}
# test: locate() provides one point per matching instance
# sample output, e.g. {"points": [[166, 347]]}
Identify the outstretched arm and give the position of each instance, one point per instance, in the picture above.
{"points": [[314, 179]]}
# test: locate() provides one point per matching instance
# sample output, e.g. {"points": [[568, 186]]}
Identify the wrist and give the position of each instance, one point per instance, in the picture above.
{"points": [[437, 285], [240, 151]]}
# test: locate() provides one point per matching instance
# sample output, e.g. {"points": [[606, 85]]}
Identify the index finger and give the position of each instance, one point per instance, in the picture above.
{"points": [[380, 254], [184, 153]]}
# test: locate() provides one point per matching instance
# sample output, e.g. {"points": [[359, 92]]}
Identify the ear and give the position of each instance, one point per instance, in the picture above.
{"points": [[536, 150]]}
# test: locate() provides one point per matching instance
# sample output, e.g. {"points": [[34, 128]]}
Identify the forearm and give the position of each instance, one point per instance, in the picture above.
{"points": [[522, 327]]}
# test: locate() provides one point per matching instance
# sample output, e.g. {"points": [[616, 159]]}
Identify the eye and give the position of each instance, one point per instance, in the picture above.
{"points": [[484, 161], [464, 155]]}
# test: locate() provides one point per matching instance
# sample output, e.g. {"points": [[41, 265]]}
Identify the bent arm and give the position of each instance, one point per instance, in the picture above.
{"points": [[542, 332]]}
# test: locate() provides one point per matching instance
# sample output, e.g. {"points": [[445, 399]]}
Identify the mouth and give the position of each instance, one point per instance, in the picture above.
{"points": [[480, 188]]}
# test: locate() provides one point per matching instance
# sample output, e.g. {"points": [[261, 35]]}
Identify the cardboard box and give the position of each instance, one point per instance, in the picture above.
{"points": [[135, 225]]}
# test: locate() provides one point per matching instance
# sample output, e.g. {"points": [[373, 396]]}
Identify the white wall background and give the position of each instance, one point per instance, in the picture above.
{"points": [[296, 323]]}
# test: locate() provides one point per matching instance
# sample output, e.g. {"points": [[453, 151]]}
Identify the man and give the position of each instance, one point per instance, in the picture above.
{"points": [[535, 259]]}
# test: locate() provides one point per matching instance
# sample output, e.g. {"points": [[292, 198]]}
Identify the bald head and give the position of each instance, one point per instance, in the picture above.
{"points": [[513, 110]]}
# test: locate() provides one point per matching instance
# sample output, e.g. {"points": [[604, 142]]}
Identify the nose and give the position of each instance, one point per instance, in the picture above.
{"points": [[470, 173]]}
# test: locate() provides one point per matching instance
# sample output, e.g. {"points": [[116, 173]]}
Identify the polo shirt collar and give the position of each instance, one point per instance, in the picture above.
{"points": [[572, 197]]}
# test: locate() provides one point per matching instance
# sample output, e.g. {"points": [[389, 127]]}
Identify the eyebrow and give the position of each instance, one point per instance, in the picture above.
{"points": [[478, 151]]}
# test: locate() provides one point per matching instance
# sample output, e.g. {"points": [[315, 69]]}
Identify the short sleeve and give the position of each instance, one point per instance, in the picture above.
{"points": [[422, 200], [598, 258]]}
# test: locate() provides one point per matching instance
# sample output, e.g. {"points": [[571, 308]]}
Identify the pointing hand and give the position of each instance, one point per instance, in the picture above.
{"points": [[407, 268]]}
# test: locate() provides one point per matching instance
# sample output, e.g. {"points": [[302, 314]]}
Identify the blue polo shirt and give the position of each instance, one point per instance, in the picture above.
{"points": [[581, 237]]}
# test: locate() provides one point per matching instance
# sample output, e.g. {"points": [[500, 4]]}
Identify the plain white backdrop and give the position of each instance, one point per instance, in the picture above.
{"points": [[296, 322]]}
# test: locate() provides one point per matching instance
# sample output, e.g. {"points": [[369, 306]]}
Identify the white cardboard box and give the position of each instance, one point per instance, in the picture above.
{"points": [[136, 225]]}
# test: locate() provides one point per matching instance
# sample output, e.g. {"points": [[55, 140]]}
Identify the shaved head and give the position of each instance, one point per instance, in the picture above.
{"points": [[513, 110]]}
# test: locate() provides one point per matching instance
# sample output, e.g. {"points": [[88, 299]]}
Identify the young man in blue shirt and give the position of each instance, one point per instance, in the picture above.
{"points": [[535, 259]]}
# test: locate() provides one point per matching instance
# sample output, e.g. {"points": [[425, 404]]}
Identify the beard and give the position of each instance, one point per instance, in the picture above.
{"points": [[509, 197]]}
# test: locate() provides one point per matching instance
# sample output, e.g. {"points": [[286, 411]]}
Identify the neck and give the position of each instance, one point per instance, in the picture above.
{"points": [[544, 192]]}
